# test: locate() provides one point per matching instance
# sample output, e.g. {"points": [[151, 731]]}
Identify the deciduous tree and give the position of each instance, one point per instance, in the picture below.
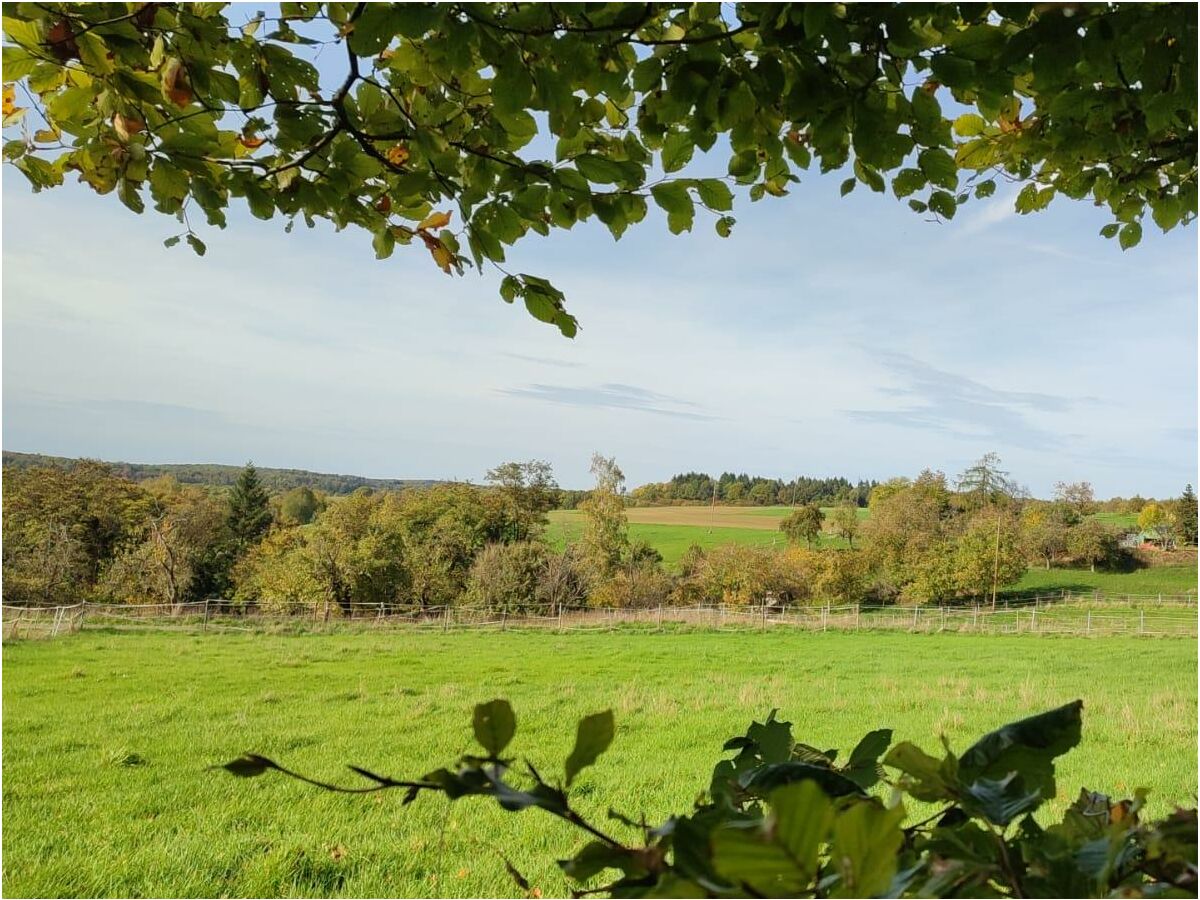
{"points": [[803, 524], [460, 128]]}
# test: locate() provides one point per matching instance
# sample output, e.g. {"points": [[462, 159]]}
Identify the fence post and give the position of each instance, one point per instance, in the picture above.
{"points": [[916, 615], [445, 618], [975, 617], [204, 627], [943, 628], [1033, 620], [1142, 620], [503, 619], [1089, 622], [858, 616], [764, 616], [560, 617]]}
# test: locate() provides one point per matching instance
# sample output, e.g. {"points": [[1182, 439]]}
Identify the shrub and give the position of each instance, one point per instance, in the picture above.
{"points": [[784, 819], [507, 576]]}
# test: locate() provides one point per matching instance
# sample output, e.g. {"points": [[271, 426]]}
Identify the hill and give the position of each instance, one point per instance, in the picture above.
{"points": [[275, 480]]}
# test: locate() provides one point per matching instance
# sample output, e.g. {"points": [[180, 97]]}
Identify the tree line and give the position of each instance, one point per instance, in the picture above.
{"points": [[88, 532], [213, 474], [747, 490]]}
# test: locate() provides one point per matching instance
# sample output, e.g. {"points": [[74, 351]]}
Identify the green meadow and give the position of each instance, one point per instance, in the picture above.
{"points": [[108, 740]]}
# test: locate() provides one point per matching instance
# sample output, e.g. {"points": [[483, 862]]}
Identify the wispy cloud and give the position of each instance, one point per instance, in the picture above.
{"points": [[544, 360], [613, 396], [949, 403]]}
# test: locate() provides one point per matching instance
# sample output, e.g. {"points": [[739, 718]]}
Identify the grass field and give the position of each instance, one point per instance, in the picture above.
{"points": [[107, 738], [672, 529], [1171, 580]]}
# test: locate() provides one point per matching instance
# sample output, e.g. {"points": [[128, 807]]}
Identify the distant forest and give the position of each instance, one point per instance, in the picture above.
{"points": [[692, 487], [276, 481]]}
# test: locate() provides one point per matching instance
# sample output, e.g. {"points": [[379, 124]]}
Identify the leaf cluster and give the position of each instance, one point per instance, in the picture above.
{"points": [[525, 118], [784, 819]]}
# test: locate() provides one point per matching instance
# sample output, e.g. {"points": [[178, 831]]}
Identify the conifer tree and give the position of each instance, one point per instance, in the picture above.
{"points": [[249, 513]]}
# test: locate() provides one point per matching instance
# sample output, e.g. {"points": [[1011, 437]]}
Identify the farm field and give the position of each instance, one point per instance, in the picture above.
{"points": [[672, 529], [108, 738]]}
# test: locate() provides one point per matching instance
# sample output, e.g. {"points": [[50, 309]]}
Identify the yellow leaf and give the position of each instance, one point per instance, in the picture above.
{"points": [[434, 220], [10, 98], [46, 136], [397, 155], [442, 256]]}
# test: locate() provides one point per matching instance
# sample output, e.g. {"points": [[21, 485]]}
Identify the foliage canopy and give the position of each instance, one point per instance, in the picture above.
{"points": [[461, 128]]}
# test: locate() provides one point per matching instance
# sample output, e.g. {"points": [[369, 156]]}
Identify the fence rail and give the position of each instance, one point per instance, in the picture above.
{"points": [[1061, 613]]}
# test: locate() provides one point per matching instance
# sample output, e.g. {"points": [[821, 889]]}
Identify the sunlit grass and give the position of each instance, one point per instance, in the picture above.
{"points": [[107, 738]]}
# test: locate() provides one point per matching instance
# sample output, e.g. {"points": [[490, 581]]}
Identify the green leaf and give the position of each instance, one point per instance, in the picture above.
{"points": [[943, 204], [767, 778], [597, 856], [802, 815], [197, 245], [494, 725], [725, 225], [602, 170], [848, 186], [1110, 230], [1131, 235], [384, 242], [969, 125], [939, 167], [1027, 747], [863, 765], [677, 151], [715, 194], [592, 738], [761, 868], [674, 199], [978, 42], [866, 841], [926, 777], [908, 181], [985, 189], [1000, 800]]}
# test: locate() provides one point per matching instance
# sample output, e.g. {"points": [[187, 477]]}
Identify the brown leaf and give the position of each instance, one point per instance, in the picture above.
{"points": [[434, 220], [251, 141], [174, 83], [383, 205], [126, 125], [61, 41], [337, 852]]}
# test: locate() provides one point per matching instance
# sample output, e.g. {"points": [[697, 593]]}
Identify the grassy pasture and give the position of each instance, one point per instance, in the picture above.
{"points": [[672, 529], [107, 738]]}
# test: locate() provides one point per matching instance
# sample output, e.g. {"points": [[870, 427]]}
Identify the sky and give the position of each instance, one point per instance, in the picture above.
{"points": [[827, 336]]}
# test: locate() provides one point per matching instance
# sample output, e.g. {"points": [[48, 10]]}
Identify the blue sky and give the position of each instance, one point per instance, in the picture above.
{"points": [[827, 336]]}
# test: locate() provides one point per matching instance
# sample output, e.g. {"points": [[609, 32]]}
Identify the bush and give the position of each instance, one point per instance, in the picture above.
{"points": [[784, 819], [634, 587], [508, 577]]}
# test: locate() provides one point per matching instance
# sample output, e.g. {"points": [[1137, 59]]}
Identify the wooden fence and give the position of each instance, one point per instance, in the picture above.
{"points": [[1083, 614]]}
